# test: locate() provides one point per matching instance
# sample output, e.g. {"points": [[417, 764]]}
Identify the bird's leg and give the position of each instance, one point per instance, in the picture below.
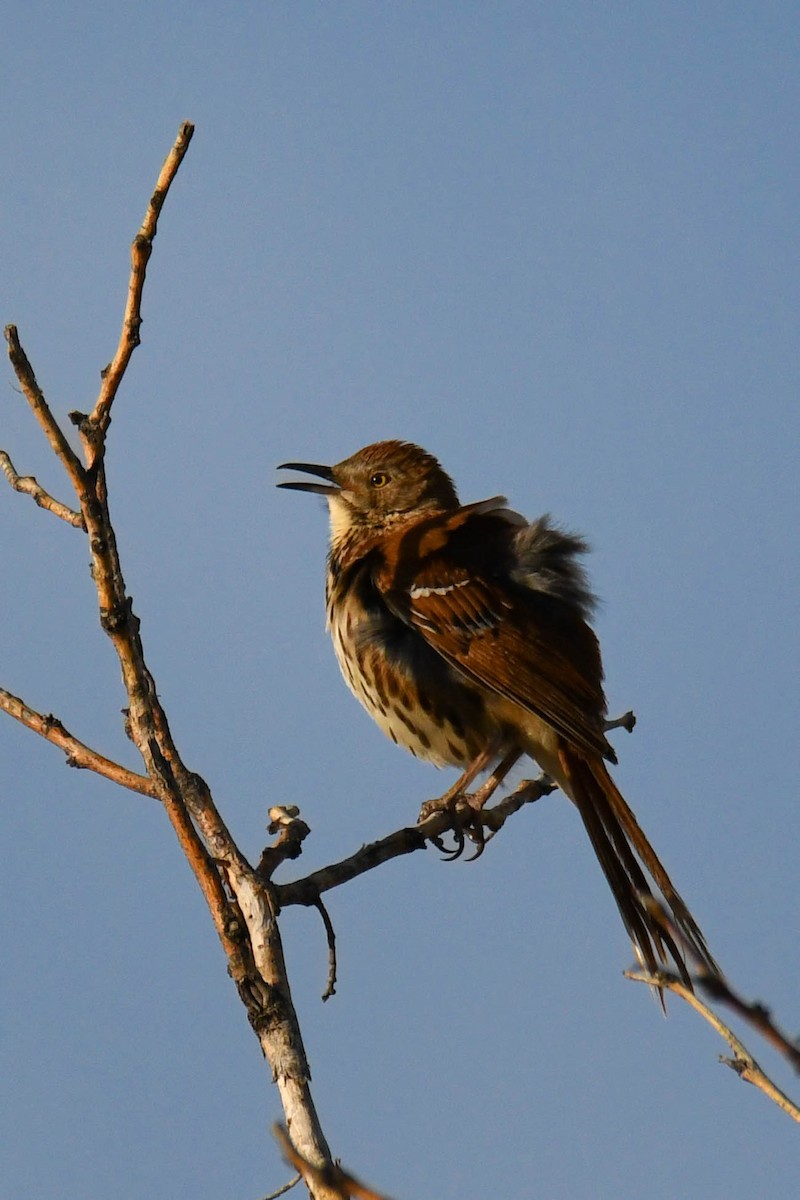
{"points": [[466, 807], [487, 789], [474, 828], [458, 790]]}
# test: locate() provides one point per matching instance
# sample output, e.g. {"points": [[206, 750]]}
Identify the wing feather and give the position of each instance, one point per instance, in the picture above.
{"points": [[528, 646]]}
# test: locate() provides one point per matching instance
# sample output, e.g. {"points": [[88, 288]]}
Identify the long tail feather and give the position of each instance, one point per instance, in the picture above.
{"points": [[683, 918], [631, 865]]}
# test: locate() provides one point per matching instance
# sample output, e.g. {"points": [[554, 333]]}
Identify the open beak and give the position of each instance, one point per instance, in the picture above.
{"points": [[301, 485]]}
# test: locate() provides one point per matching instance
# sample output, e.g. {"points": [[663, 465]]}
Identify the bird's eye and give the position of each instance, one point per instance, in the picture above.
{"points": [[379, 479]]}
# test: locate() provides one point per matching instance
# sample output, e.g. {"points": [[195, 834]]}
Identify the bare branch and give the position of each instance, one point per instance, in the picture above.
{"points": [[527, 792], [287, 1187], [742, 1062], [244, 902], [35, 397], [265, 991], [754, 1013], [714, 983], [244, 912], [28, 485], [141, 249], [330, 933], [342, 1185], [168, 778], [284, 820], [78, 753], [308, 890]]}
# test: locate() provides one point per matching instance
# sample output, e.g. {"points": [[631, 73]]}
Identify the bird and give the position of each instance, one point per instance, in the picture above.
{"points": [[464, 632]]}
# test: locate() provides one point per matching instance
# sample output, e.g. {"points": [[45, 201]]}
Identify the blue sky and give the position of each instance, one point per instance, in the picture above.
{"points": [[556, 245]]}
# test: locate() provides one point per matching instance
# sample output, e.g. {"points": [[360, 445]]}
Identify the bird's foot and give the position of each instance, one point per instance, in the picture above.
{"points": [[464, 812]]}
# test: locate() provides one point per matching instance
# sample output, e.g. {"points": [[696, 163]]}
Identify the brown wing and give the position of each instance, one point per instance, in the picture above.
{"points": [[532, 648]]}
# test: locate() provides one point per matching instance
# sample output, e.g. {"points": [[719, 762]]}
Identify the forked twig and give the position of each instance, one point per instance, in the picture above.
{"points": [[245, 921], [244, 903], [714, 983], [742, 1062]]}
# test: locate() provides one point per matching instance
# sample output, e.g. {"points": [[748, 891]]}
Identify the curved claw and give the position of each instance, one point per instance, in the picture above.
{"points": [[478, 836], [451, 806], [458, 833], [465, 822]]}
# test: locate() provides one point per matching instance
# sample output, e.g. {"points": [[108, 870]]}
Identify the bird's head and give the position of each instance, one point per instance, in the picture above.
{"points": [[378, 486]]}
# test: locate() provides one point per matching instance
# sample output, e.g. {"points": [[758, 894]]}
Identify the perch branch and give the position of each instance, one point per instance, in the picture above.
{"points": [[308, 890], [29, 486]]}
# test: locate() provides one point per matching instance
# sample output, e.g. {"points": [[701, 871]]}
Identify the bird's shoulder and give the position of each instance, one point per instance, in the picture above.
{"points": [[485, 547]]}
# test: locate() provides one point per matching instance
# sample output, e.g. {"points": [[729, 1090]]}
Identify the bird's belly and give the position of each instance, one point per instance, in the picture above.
{"points": [[407, 705], [535, 735]]}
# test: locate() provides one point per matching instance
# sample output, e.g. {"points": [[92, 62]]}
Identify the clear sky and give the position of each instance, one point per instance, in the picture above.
{"points": [[556, 244]]}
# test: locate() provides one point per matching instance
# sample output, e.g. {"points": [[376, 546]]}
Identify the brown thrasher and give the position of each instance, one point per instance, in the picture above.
{"points": [[463, 632]]}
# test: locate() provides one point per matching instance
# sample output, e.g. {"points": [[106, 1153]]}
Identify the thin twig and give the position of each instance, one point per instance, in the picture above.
{"points": [[78, 753], [742, 1062], [755, 1013], [330, 933], [29, 486], [39, 406], [714, 984], [287, 1187], [141, 250], [284, 820]]}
